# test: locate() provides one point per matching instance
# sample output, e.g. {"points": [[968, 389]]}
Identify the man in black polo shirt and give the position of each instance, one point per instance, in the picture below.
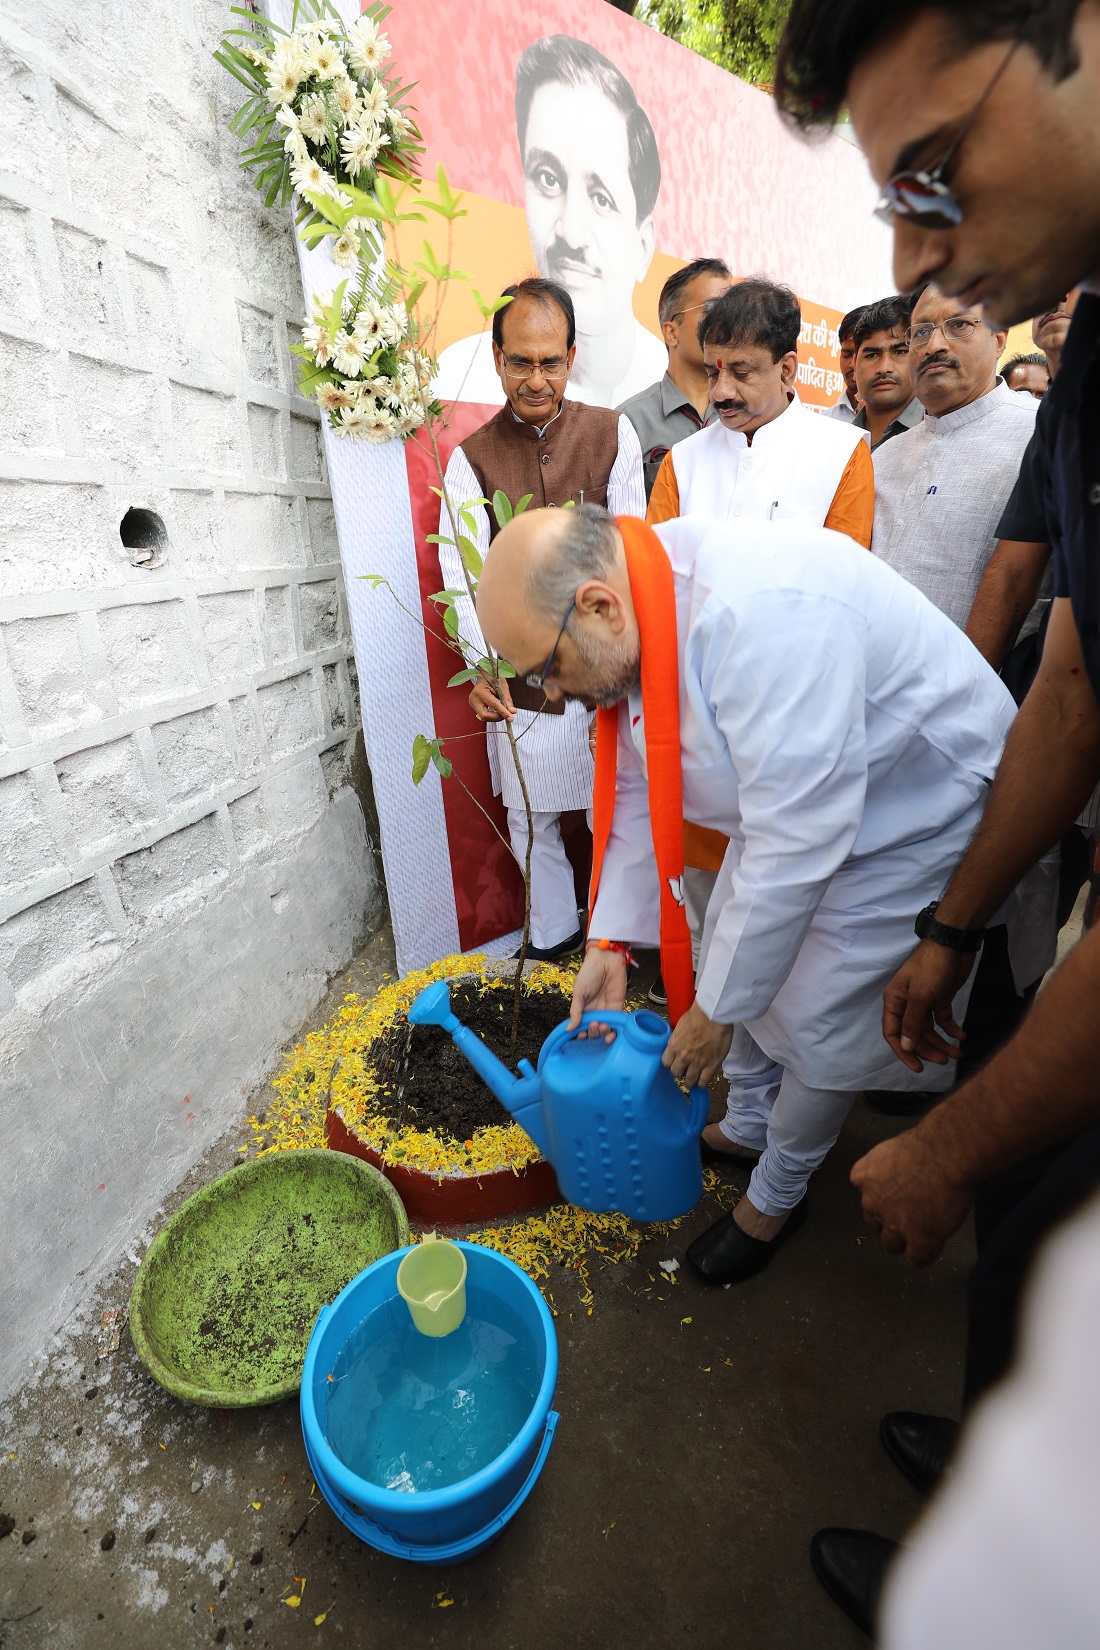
{"points": [[1001, 211]]}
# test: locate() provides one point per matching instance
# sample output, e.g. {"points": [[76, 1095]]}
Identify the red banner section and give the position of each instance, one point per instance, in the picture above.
{"points": [[488, 886]]}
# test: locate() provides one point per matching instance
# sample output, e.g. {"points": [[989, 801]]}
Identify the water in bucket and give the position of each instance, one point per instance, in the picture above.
{"points": [[410, 1412]]}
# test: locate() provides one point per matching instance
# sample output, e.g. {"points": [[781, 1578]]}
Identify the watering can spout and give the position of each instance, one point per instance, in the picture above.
{"points": [[522, 1096]]}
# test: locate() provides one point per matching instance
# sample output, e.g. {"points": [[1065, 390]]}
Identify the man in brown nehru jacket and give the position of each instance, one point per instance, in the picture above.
{"points": [[561, 452]]}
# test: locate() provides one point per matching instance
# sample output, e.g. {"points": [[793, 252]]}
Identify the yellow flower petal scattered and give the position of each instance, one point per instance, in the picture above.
{"points": [[293, 1601], [331, 1065]]}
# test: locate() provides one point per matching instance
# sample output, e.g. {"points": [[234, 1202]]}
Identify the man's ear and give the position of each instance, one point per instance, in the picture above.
{"points": [[601, 602], [670, 332], [1000, 339], [788, 369], [498, 361], [647, 234]]}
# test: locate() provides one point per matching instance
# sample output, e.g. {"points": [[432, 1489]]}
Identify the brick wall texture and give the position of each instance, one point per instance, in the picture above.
{"points": [[182, 863], [143, 364]]}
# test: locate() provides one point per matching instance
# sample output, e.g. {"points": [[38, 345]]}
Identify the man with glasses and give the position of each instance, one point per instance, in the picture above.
{"points": [[979, 123], [679, 403], [553, 452], [941, 486]]}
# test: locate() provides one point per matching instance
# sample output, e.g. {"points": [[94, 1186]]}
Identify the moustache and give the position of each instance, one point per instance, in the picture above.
{"points": [[730, 406], [941, 359], [560, 252]]}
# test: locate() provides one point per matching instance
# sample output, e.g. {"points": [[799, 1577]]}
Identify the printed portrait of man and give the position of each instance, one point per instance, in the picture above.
{"points": [[591, 176]]}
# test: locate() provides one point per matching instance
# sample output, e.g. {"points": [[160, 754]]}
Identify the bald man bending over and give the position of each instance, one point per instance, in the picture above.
{"points": [[837, 728]]}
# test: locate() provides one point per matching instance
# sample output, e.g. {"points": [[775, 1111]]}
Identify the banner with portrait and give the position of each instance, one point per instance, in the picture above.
{"points": [[603, 156]]}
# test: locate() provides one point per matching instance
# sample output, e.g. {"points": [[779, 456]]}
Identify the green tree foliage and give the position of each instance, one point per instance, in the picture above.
{"points": [[739, 35]]}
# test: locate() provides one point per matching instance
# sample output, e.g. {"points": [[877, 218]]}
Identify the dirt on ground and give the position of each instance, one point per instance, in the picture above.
{"points": [[427, 1083]]}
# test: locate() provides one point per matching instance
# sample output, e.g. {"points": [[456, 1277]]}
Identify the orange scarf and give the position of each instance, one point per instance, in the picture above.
{"points": [[654, 597]]}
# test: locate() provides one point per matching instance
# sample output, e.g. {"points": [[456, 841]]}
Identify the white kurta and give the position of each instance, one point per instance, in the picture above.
{"points": [[791, 471], [843, 734], [554, 750]]}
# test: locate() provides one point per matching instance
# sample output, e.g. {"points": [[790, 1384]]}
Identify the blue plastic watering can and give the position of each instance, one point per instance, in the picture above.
{"points": [[609, 1116]]}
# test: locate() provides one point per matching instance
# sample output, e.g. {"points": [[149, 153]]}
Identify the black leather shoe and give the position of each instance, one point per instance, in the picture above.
{"points": [[740, 1158], [921, 1445], [726, 1254], [538, 953], [851, 1565], [898, 1103]]}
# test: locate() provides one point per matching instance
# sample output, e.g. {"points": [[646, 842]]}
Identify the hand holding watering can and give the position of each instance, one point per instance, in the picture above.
{"points": [[697, 1046]]}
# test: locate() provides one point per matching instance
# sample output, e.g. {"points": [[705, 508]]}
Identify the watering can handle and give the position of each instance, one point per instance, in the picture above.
{"points": [[698, 1099]]}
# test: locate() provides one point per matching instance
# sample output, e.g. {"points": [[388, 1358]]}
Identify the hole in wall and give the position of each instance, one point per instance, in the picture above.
{"points": [[145, 537]]}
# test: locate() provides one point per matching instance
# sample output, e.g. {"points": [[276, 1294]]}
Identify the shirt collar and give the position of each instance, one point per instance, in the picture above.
{"points": [[910, 415], [998, 397], [540, 431]]}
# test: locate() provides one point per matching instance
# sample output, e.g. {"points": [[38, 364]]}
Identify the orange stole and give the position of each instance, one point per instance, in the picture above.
{"points": [[654, 597]]}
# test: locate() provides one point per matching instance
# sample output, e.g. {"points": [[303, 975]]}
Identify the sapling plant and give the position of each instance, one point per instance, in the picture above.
{"points": [[324, 120]]}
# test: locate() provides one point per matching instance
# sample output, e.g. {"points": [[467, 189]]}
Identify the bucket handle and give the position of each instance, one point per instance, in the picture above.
{"points": [[453, 1550]]}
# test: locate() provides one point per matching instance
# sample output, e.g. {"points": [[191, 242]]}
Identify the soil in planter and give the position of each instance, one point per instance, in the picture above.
{"points": [[432, 1086]]}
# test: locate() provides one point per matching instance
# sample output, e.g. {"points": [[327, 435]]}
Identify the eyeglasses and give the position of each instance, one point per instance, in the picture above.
{"points": [[555, 368], [922, 198], [708, 304], [539, 681], [958, 328]]}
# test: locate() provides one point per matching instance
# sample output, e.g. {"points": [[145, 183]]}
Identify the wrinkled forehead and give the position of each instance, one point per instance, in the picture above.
{"points": [[738, 353], [579, 125], [885, 338], [933, 306]]}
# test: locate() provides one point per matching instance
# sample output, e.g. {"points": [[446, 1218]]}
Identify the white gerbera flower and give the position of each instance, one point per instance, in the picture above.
{"points": [[310, 174], [344, 250], [348, 353], [380, 426], [289, 58], [282, 85], [394, 322], [400, 126], [374, 100], [333, 397], [285, 116], [359, 148], [297, 148], [353, 422], [326, 59], [347, 100], [367, 49], [369, 324], [312, 118], [317, 338], [409, 421]]}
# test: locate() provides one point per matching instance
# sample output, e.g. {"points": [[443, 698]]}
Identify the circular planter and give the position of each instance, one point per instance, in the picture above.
{"points": [[453, 1198]]}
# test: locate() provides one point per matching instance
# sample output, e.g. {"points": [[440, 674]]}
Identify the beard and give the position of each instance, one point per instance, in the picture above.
{"points": [[610, 671]]}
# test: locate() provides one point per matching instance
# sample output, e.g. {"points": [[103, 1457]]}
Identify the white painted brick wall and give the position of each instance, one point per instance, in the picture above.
{"points": [[181, 863]]}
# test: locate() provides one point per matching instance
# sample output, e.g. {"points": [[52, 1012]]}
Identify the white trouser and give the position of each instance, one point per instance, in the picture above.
{"points": [[770, 1110], [698, 887], [553, 892]]}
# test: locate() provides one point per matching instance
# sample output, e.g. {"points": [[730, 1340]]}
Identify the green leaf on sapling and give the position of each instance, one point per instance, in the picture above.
{"points": [[502, 509], [445, 767], [422, 758], [523, 503], [463, 676], [471, 555]]}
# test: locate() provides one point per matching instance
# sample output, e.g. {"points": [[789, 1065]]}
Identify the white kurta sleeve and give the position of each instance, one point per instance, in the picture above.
{"points": [[461, 485], [785, 682], [628, 906], [626, 483]]}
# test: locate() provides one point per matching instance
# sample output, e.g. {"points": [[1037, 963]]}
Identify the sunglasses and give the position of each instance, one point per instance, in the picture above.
{"points": [[539, 681], [923, 198]]}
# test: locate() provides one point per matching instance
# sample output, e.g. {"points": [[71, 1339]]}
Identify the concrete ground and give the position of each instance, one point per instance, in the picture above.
{"points": [[704, 1436]]}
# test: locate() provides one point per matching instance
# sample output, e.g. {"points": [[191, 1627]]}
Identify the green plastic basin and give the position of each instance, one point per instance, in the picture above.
{"points": [[226, 1298]]}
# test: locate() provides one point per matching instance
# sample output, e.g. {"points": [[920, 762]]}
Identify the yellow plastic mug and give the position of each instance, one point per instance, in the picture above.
{"points": [[431, 1280]]}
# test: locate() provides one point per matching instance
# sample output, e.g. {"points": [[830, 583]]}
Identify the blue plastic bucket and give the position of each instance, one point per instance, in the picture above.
{"points": [[430, 1526]]}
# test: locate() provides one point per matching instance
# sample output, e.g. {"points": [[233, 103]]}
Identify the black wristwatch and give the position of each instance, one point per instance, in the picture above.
{"points": [[941, 933]]}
